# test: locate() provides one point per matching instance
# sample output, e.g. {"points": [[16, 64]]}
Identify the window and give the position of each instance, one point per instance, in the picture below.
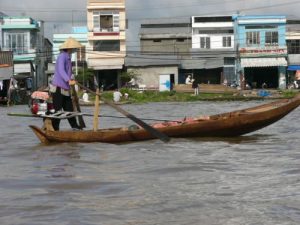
{"points": [[252, 38], [256, 27], [202, 31], [212, 19], [16, 42], [106, 21], [205, 42], [293, 46], [227, 41], [33, 39], [271, 38], [107, 45]]}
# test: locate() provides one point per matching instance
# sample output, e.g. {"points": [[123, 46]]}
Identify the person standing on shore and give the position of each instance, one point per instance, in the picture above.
{"points": [[195, 86], [60, 86]]}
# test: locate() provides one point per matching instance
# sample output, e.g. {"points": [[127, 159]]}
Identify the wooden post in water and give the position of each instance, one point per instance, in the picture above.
{"points": [[96, 112]]}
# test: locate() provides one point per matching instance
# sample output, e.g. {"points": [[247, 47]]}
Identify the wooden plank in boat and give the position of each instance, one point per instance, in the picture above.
{"points": [[62, 115]]}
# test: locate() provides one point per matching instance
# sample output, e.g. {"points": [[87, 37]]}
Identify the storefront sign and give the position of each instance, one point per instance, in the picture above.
{"points": [[259, 52]]}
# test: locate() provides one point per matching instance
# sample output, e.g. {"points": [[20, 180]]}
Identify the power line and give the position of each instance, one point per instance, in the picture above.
{"points": [[138, 54]]}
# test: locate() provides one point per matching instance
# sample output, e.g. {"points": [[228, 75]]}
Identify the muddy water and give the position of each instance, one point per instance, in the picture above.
{"points": [[246, 180]]}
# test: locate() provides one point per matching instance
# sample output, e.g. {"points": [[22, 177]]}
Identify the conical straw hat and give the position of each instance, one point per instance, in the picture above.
{"points": [[70, 43]]}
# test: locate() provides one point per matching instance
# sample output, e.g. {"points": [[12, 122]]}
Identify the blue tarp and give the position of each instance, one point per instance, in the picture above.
{"points": [[294, 67], [263, 93]]}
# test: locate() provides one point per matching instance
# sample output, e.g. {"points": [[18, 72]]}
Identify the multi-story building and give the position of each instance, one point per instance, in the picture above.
{"points": [[199, 46], [293, 48], [262, 50], [163, 43], [25, 38], [213, 49], [106, 40], [162, 36]]}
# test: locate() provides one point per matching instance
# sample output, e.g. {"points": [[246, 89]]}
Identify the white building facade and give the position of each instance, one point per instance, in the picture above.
{"points": [[212, 32], [213, 49], [106, 40]]}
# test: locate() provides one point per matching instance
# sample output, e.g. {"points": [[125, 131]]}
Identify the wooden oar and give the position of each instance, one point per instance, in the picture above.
{"points": [[76, 106], [82, 114], [96, 112], [147, 127]]}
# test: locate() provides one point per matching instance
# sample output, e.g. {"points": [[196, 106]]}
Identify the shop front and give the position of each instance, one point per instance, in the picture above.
{"points": [[263, 67], [264, 72]]}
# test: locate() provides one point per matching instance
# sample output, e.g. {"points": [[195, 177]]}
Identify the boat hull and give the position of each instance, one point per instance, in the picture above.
{"points": [[221, 125]]}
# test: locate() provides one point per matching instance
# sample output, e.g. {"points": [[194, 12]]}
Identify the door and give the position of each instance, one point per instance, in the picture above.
{"points": [[164, 82]]}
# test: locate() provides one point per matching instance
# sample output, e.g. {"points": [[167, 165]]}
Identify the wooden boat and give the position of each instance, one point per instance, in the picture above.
{"points": [[220, 125]]}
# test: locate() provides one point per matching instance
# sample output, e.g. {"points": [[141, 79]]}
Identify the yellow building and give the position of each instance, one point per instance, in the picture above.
{"points": [[106, 48]]}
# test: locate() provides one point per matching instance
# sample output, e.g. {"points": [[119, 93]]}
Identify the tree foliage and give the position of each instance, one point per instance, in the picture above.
{"points": [[126, 76], [85, 75]]}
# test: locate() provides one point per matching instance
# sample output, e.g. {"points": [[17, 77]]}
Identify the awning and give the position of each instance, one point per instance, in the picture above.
{"points": [[263, 62], [6, 72], [294, 67], [209, 63], [23, 68], [150, 60]]}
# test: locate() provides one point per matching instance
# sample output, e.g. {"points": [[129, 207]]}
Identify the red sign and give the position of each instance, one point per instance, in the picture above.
{"points": [[248, 52]]}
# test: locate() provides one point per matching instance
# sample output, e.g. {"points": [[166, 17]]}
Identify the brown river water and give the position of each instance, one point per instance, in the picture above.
{"points": [[248, 180]]}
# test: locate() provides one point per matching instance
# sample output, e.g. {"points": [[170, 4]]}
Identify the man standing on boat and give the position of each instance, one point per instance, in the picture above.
{"points": [[60, 87]]}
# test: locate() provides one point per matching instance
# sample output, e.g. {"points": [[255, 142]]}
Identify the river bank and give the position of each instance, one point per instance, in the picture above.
{"points": [[173, 96], [137, 97]]}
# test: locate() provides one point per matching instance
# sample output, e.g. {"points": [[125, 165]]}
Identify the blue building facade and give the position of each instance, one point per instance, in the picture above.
{"points": [[261, 50], [24, 36]]}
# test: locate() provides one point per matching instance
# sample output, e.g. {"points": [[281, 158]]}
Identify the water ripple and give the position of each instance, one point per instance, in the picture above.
{"points": [[253, 179]]}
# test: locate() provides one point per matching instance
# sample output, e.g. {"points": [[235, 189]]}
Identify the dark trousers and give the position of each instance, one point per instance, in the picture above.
{"points": [[62, 102]]}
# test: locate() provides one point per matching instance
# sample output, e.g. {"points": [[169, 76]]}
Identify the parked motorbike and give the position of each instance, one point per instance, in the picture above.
{"points": [[40, 103]]}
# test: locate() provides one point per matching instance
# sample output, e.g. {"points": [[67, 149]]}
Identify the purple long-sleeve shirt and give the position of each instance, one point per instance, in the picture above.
{"points": [[63, 71]]}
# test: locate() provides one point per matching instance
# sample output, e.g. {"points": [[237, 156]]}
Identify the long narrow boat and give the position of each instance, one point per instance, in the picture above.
{"points": [[229, 124]]}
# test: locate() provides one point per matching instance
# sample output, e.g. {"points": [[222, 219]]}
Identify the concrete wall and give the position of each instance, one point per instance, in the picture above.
{"points": [[166, 46], [150, 75]]}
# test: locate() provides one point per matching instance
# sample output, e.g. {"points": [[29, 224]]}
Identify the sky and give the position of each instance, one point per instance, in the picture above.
{"points": [[60, 15]]}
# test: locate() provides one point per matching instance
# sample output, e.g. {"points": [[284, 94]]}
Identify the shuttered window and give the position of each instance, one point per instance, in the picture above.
{"points": [[227, 41], [272, 38], [205, 42], [105, 21], [16, 42], [252, 38]]}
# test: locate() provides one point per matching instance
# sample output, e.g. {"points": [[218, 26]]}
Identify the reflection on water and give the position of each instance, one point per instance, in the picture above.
{"points": [[252, 179]]}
